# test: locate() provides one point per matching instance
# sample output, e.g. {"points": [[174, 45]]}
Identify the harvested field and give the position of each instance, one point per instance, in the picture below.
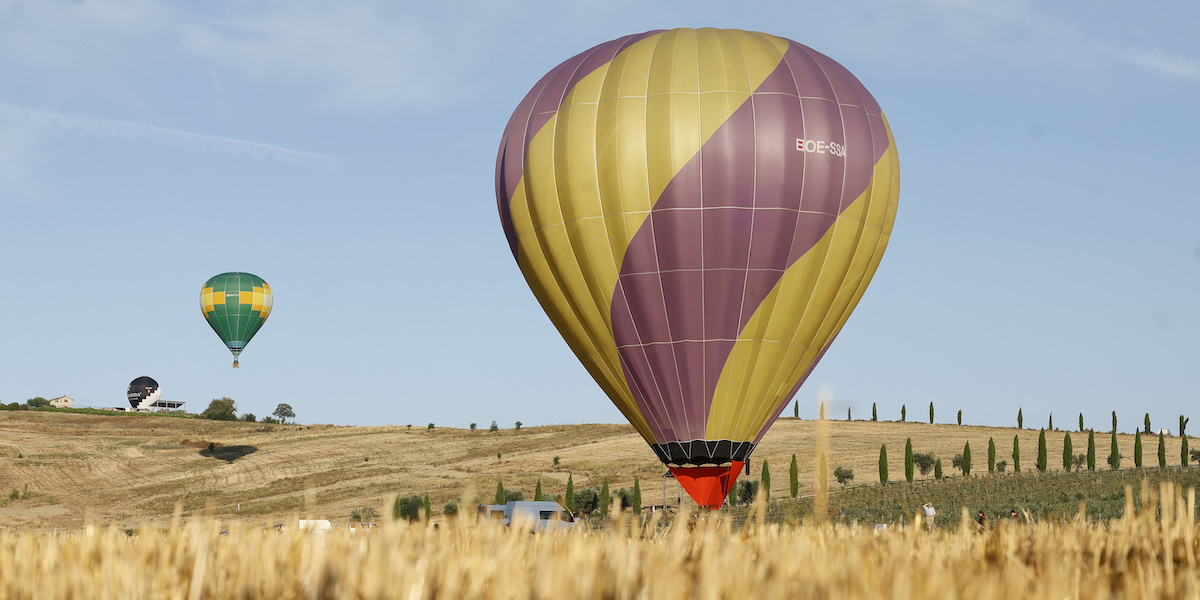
{"points": [[1140, 555]]}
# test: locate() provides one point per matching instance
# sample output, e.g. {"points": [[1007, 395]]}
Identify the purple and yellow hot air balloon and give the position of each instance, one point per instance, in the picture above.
{"points": [[698, 212]]}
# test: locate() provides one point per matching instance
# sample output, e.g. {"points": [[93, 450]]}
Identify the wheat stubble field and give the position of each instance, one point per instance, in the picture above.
{"points": [[138, 506]]}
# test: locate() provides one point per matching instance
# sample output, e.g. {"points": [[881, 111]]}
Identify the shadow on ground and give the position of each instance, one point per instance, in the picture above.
{"points": [[228, 453]]}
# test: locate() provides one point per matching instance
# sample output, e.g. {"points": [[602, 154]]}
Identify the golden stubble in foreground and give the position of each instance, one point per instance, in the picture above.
{"points": [[1149, 554]]}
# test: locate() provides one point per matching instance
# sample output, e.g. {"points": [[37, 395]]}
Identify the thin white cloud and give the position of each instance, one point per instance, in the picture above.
{"points": [[343, 56], [1161, 61], [136, 131]]}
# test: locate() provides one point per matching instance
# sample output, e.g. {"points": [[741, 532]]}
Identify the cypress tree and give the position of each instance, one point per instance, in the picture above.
{"points": [[569, 498], [796, 409], [1041, 458], [874, 413], [908, 460], [931, 413], [1050, 427], [960, 417], [1114, 422], [1162, 451], [1020, 419], [605, 498], [1146, 423], [991, 455], [1137, 449], [428, 508], [765, 481], [903, 413], [537, 491], [794, 478], [1183, 448], [1091, 459], [1114, 455], [937, 469], [848, 414], [1068, 453], [1016, 455], [1081, 422], [966, 461], [499, 499], [637, 494], [883, 466]]}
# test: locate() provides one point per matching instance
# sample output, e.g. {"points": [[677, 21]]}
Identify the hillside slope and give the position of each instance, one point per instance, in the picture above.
{"points": [[71, 469]]}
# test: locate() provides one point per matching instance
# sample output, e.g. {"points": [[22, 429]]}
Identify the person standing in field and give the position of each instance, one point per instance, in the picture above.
{"points": [[982, 520], [929, 513]]}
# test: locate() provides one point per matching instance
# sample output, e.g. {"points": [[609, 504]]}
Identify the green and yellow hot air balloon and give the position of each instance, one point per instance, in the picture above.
{"points": [[236, 305]]}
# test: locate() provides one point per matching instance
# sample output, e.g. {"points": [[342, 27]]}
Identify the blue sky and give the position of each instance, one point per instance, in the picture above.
{"points": [[1046, 253]]}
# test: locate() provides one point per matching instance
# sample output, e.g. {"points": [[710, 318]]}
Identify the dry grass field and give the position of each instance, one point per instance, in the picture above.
{"points": [[75, 469], [1149, 554]]}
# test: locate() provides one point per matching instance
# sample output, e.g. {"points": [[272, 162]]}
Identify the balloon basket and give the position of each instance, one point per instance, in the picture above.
{"points": [[235, 365], [708, 486]]}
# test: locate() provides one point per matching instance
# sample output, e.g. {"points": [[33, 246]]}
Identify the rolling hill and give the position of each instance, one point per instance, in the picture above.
{"points": [[63, 470]]}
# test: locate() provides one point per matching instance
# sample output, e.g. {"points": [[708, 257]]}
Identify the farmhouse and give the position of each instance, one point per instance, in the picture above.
{"points": [[62, 402]]}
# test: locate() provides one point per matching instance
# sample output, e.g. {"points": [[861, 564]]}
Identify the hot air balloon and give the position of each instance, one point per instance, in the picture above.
{"points": [[236, 305], [698, 212], [142, 393]]}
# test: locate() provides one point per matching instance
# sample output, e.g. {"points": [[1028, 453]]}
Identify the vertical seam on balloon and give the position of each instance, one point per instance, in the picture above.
{"points": [[659, 272], [601, 359], [758, 413], [555, 269], [732, 356], [649, 222], [772, 313]]}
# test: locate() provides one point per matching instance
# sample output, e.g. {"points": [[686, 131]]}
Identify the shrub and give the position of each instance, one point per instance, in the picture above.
{"points": [[221, 409], [1001, 465], [843, 475], [249, 418], [556, 460], [587, 501], [924, 462], [430, 428], [473, 426], [494, 428], [451, 508], [513, 496], [408, 508], [517, 425], [746, 491]]}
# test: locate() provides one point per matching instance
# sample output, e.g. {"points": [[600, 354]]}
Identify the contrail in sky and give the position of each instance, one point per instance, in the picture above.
{"points": [[136, 131]]}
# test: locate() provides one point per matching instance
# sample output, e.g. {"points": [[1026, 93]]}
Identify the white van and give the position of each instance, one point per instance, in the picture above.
{"points": [[539, 515]]}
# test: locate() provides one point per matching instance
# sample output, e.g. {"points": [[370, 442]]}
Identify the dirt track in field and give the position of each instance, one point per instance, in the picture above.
{"points": [[72, 469]]}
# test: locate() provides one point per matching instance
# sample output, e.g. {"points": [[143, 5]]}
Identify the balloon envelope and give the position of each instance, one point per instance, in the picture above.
{"points": [[236, 305], [140, 390], [698, 212]]}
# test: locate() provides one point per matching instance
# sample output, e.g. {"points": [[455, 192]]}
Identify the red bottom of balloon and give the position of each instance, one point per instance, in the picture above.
{"points": [[708, 486]]}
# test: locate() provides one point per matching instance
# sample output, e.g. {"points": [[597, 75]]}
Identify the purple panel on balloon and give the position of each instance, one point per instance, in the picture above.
{"points": [[744, 209]]}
